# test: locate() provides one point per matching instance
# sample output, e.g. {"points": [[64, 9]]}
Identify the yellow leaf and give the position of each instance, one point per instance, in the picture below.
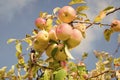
{"points": [[81, 8], [68, 53], [107, 34], [10, 41], [76, 2], [19, 47], [100, 16], [56, 9]]}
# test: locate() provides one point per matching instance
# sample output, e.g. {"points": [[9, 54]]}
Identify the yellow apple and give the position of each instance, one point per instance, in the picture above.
{"points": [[67, 14], [52, 34], [63, 31], [115, 26], [75, 39], [60, 54], [40, 23], [41, 41]]}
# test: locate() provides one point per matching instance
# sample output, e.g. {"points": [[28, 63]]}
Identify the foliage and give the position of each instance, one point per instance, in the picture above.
{"points": [[58, 65]]}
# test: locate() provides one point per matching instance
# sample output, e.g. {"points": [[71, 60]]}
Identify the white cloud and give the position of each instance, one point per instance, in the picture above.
{"points": [[8, 8]]}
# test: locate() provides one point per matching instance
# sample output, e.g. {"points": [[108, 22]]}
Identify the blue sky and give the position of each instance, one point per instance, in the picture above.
{"points": [[17, 19]]}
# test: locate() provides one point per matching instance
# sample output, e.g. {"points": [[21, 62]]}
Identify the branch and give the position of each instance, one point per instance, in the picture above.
{"points": [[113, 11], [93, 23], [101, 74]]}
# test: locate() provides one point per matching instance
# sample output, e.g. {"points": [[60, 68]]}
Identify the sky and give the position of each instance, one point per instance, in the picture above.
{"points": [[17, 19]]}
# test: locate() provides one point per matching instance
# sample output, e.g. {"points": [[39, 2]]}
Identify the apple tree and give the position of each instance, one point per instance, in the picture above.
{"points": [[55, 35]]}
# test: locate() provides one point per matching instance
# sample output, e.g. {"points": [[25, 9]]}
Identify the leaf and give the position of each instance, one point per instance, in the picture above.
{"points": [[107, 34], [109, 9], [81, 8], [60, 75], [49, 24], [35, 31], [84, 55], [54, 51], [68, 53], [56, 10], [29, 41], [46, 75], [82, 14], [19, 47], [43, 14], [100, 16], [11, 71], [76, 2], [10, 41]]}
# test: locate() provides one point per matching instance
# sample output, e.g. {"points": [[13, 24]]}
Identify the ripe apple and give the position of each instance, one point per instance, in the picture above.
{"points": [[67, 14], [50, 48], [75, 39], [63, 31], [40, 23], [60, 54], [41, 41], [52, 34], [115, 26]]}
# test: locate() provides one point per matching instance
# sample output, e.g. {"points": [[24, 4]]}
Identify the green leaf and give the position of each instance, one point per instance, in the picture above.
{"points": [[68, 53], [19, 47], [81, 8], [76, 2], [60, 75], [107, 34], [109, 9], [56, 10], [10, 41], [54, 51]]}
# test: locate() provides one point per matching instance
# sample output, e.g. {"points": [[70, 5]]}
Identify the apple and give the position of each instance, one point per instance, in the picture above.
{"points": [[50, 48], [63, 31], [60, 54], [75, 39], [40, 23], [41, 41], [67, 14], [52, 34], [115, 26]]}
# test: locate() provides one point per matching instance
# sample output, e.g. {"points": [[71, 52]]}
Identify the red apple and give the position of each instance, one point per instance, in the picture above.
{"points": [[75, 39], [63, 31], [67, 14], [115, 26], [40, 23]]}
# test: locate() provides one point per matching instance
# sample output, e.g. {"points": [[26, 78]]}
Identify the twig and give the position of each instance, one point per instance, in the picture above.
{"points": [[113, 11], [112, 71], [93, 23]]}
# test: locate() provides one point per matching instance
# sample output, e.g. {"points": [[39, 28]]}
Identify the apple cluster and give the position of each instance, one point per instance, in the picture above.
{"points": [[115, 25], [53, 41]]}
